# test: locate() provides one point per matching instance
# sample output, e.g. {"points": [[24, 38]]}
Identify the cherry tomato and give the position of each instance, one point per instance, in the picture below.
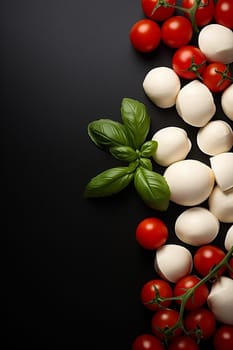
{"points": [[183, 342], [151, 233], [230, 271], [163, 320], [201, 322], [161, 12], [223, 338], [206, 257], [147, 342], [154, 289], [224, 13], [145, 35], [188, 62], [199, 296], [204, 13], [216, 76], [176, 31]]}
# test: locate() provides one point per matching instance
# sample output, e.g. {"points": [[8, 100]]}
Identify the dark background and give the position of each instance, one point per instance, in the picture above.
{"points": [[73, 270]]}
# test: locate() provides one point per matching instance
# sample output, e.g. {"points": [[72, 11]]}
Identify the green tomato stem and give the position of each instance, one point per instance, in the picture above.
{"points": [[190, 11], [184, 298]]}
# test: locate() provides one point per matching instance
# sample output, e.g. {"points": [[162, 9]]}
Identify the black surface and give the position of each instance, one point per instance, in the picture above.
{"points": [[73, 270]]}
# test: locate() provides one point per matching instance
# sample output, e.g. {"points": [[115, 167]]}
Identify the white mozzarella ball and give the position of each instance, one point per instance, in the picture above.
{"points": [[161, 85], [190, 181], [221, 204], [228, 242], [173, 261], [173, 145], [195, 103], [216, 43], [196, 226], [227, 101], [220, 300], [215, 137], [222, 166]]}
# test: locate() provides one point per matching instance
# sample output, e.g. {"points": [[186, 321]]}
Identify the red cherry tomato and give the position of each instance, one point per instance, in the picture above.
{"points": [[204, 13], [223, 338], [176, 31], [163, 320], [147, 342], [154, 289], [224, 13], [145, 35], [161, 12], [188, 62], [216, 76], [183, 342], [151, 233], [201, 322], [206, 257], [199, 296]]}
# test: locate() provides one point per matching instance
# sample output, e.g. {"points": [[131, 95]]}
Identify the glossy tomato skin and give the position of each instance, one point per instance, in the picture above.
{"points": [[145, 35], [224, 13], [161, 13], [212, 76], [151, 289], [201, 320], [147, 342], [223, 338], [165, 319], [188, 62], [200, 295], [183, 342], [206, 257], [151, 233], [176, 31], [205, 12]]}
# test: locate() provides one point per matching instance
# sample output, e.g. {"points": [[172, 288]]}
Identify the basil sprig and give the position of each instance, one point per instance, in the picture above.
{"points": [[126, 142]]}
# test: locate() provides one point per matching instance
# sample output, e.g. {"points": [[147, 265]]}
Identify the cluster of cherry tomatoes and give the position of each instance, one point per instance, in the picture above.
{"points": [[159, 296], [163, 24]]}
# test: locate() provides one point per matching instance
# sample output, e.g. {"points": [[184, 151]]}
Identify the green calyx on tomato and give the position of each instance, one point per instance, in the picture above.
{"points": [[126, 142]]}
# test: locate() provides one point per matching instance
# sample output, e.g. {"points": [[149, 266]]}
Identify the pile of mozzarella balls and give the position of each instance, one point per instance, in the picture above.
{"points": [[191, 181]]}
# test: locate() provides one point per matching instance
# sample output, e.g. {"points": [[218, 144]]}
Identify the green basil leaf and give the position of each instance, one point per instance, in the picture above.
{"points": [[109, 182], [148, 148], [124, 153], [152, 188], [106, 133], [146, 163], [136, 120]]}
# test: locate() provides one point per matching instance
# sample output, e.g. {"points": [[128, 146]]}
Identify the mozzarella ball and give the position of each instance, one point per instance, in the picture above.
{"points": [[222, 166], [227, 101], [173, 145], [228, 242], [161, 85], [173, 261], [196, 226], [215, 137], [220, 300], [195, 104], [221, 204], [190, 181], [216, 43]]}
